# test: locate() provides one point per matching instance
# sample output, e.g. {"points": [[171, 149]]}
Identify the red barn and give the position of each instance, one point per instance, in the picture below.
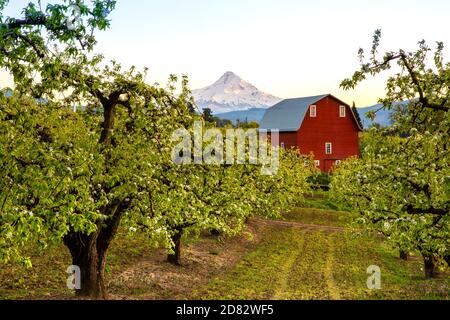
{"points": [[322, 125]]}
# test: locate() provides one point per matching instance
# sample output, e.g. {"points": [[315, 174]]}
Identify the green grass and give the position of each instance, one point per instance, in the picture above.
{"points": [[319, 199], [291, 263], [319, 217], [47, 278], [288, 262]]}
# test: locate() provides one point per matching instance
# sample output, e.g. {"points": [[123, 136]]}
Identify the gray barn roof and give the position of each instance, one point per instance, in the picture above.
{"points": [[288, 115]]}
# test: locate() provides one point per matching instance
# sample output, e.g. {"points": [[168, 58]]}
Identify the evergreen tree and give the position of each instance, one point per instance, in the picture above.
{"points": [[356, 113], [207, 115]]}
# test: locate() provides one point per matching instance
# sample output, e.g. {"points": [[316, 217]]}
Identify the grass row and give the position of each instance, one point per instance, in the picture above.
{"points": [[291, 263]]}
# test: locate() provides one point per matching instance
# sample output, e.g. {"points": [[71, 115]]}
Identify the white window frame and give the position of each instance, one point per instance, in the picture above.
{"points": [[342, 111], [330, 147], [313, 111], [317, 163]]}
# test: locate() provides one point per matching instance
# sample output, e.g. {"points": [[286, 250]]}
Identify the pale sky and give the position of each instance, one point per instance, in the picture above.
{"points": [[289, 48]]}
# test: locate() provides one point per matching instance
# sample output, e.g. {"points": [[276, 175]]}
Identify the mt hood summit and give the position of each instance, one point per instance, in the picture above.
{"points": [[231, 93]]}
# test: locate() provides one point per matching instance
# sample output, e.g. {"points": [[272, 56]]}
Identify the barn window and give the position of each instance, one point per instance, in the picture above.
{"points": [[313, 111], [328, 148], [338, 162], [282, 145], [342, 111], [317, 163]]}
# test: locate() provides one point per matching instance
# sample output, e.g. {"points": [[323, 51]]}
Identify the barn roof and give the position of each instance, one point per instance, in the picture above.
{"points": [[288, 115]]}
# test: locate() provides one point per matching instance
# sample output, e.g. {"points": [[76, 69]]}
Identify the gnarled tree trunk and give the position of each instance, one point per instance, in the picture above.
{"points": [[404, 255], [175, 258], [89, 253], [429, 262], [90, 258]]}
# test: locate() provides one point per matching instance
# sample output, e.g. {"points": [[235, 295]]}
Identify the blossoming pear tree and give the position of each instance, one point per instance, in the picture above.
{"points": [[401, 184], [196, 197], [74, 176], [86, 148]]}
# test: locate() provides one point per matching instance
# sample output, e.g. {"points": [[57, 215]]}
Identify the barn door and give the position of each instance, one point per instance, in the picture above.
{"points": [[328, 164]]}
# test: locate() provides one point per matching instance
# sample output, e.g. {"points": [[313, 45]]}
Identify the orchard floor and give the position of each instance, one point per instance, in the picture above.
{"points": [[307, 255]]}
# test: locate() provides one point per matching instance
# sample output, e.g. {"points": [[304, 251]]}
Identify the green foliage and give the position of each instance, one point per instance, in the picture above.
{"points": [[223, 123], [247, 125], [207, 115], [76, 176], [47, 156], [400, 186], [57, 178], [320, 179], [325, 204], [196, 197], [48, 45], [210, 118]]}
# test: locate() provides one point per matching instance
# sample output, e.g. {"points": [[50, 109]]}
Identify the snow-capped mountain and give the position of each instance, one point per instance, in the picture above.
{"points": [[231, 93]]}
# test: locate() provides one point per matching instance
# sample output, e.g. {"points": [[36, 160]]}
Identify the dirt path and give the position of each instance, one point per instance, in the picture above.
{"points": [[154, 278]]}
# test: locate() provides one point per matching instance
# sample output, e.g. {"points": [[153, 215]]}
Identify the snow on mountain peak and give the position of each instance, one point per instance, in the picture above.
{"points": [[227, 76], [231, 93]]}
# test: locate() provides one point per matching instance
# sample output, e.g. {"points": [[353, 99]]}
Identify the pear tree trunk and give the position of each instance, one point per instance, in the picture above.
{"points": [[430, 267], [89, 253], [90, 258], [404, 255], [175, 258]]}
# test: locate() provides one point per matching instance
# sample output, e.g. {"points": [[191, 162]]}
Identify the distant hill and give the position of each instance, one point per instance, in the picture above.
{"points": [[253, 114], [382, 117]]}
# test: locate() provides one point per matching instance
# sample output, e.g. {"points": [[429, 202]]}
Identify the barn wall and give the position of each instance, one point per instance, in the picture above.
{"points": [[329, 127], [289, 139]]}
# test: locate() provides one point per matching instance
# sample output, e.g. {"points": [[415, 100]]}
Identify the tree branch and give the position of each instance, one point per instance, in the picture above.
{"points": [[434, 211], [18, 23]]}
